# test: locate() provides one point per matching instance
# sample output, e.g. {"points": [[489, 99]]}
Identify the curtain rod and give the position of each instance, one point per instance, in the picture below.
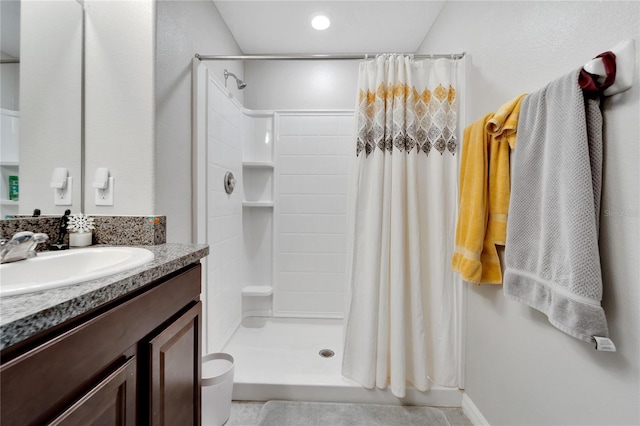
{"points": [[338, 56]]}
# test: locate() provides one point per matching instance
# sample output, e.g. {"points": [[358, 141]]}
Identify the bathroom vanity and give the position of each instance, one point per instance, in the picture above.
{"points": [[121, 350]]}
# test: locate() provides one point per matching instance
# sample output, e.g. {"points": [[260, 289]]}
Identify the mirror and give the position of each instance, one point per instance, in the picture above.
{"points": [[41, 76]]}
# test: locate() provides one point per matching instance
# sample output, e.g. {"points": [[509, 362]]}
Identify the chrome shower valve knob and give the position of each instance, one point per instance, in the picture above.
{"points": [[229, 182]]}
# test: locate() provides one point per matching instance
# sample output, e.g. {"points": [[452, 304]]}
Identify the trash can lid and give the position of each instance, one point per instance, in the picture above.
{"points": [[217, 368]]}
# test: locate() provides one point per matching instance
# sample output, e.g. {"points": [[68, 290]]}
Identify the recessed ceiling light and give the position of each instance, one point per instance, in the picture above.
{"points": [[320, 22]]}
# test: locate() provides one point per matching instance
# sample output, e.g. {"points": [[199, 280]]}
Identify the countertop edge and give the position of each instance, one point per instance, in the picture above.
{"points": [[31, 314]]}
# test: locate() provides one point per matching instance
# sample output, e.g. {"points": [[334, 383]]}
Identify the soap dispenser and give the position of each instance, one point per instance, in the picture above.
{"points": [[62, 231]]}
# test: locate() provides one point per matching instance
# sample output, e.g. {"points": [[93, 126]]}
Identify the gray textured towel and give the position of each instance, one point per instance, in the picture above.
{"points": [[552, 257]]}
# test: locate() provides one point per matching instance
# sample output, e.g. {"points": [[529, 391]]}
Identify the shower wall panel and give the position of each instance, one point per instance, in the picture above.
{"points": [[313, 162], [258, 183], [224, 216]]}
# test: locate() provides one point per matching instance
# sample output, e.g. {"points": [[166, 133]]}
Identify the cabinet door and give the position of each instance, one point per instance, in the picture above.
{"points": [[175, 360], [111, 402]]}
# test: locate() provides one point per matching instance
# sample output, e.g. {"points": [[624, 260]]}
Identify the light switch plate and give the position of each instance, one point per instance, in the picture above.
{"points": [[104, 197], [64, 197]]}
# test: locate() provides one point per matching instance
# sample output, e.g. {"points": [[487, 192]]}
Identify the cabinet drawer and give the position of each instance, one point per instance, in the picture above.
{"points": [[111, 402]]}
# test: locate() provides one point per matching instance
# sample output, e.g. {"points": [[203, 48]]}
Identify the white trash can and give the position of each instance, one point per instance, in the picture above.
{"points": [[217, 388]]}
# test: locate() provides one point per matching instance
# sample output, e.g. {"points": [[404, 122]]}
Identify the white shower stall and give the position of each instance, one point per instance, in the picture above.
{"points": [[274, 282]]}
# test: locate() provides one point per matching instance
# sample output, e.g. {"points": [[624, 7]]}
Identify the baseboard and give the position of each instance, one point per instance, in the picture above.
{"points": [[472, 412], [343, 393]]}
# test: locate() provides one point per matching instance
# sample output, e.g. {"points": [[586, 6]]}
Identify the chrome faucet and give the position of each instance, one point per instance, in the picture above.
{"points": [[21, 246]]}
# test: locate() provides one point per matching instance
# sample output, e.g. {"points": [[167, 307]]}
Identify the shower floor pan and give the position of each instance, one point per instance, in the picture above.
{"points": [[280, 358]]}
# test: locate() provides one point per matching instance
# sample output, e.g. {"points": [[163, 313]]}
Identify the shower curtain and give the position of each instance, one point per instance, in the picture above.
{"points": [[400, 320]]}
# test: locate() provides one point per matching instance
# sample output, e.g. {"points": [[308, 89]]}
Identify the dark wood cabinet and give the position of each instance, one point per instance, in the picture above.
{"points": [[133, 361], [175, 371]]}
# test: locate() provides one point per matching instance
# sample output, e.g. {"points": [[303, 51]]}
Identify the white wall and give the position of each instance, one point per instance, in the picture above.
{"points": [[520, 369], [120, 41], [50, 100], [184, 28], [301, 84], [314, 156], [10, 83], [9, 49]]}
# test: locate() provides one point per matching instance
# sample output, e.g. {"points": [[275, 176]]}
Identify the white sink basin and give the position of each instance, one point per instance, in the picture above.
{"points": [[62, 268]]}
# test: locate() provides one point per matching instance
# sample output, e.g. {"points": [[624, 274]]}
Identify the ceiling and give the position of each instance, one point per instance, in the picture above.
{"points": [[373, 26]]}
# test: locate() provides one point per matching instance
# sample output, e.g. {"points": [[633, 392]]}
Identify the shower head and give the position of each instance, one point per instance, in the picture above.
{"points": [[240, 83]]}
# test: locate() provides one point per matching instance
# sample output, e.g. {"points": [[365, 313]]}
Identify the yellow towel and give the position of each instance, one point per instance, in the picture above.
{"points": [[484, 194], [474, 202], [502, 131], [504, 123]]}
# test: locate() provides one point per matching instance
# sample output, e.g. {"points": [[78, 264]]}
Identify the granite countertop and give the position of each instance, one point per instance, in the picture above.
{"points": [[25, 315]]}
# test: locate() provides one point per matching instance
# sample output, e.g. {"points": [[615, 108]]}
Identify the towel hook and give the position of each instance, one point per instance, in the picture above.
{"points": [[625, 66]]}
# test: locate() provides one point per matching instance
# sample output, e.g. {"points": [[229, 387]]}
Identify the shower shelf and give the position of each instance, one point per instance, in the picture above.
{"points": [[257, 290], [258, 164], [267, 204]]}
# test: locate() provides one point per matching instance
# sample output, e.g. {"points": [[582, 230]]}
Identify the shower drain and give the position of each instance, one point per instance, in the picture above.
{"points": [[326, 353]]}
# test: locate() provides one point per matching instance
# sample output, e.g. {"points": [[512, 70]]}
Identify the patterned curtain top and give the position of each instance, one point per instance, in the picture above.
{"points": [[406, 104]]}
